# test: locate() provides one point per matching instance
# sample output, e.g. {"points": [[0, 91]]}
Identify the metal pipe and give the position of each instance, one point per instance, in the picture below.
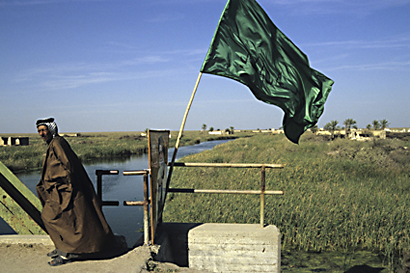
{"points": [[135, 203], [144, 203], [181, 190], [99, 174], [262, 195], [228, 165], [146, 210], [110, 203], [135, 172]]}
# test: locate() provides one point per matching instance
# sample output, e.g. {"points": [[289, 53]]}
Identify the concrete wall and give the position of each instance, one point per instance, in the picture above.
{"points": [[3, 141], [230, 248]]}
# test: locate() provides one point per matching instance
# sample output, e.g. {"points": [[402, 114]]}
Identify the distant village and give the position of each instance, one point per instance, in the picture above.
{"points": [[353, 134], [14, 141], [22, 140]]}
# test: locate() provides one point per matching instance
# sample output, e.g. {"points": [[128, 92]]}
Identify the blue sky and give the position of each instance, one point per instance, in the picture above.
{"points": [[124, 65]]}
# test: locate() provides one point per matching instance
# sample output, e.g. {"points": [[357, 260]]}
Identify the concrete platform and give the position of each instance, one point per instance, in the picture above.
{"points": [[26, 239], [234, 248], [220, 247]]}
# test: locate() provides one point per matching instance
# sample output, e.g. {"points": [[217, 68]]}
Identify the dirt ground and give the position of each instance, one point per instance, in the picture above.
{"points": [[25, 258]]}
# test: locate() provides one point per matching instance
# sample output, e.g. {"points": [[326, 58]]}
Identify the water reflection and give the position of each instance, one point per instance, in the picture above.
{"points": [[123, 220]]}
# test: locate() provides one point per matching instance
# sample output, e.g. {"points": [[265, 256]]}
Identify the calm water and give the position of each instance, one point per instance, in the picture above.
{"points": [[127, 221]]}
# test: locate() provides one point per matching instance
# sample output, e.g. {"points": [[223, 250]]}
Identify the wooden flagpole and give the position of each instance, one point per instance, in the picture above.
{"points": [[180, 132]]}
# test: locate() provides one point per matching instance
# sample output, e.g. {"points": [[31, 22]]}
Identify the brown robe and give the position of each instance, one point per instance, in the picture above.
{"points": [[71, 209]]}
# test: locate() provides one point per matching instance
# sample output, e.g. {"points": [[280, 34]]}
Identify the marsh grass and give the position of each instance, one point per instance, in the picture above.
{"points": [[339, 196]]}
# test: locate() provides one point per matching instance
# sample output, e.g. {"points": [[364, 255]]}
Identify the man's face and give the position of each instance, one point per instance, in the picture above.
{"points": [[44, 132]]}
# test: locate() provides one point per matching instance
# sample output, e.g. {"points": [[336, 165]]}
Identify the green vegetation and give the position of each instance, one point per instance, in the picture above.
{"points": [[94, 146], [339, 196]]}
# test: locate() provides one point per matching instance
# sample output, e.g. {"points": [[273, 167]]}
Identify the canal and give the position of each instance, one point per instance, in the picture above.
{"points": [[126, 221]]}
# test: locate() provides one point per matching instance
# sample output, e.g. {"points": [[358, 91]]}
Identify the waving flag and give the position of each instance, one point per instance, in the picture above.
{"points": [[249, 48]]}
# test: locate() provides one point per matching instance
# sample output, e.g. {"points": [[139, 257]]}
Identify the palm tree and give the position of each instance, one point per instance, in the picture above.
{"points": [[384, 123], [331, 126], [369, 126], [203, 127], [376, 124], [349, 123]]}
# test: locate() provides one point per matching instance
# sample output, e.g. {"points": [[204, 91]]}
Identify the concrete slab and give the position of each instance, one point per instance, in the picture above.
{"points": [[26, 239], [234, 248]]}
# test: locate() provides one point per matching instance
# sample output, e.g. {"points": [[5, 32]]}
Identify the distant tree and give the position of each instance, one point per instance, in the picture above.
{"points": [[369, 126], [211, 129], [203, 127], [349, 123], [384, 123], [231, 129], [331, 127], [376, 124]]}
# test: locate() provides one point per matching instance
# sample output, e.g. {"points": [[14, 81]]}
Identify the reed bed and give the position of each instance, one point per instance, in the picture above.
{"points": [[339, 196]]}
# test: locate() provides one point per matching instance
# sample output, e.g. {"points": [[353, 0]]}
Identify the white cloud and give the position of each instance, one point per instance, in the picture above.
{"points": [[391, 66], [401, 42]]}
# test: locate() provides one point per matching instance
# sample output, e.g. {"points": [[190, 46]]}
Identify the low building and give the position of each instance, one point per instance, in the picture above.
{"points": [[14, 141]]}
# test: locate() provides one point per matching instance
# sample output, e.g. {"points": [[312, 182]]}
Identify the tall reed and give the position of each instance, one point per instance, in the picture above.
{"points": [[339, 195]]}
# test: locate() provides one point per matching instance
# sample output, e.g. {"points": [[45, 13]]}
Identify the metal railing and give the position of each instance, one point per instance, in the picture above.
{"points": [[145, 203], [262, 191]]}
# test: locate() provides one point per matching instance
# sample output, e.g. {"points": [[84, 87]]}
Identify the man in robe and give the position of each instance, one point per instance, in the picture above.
{"points": [[71, 211]]}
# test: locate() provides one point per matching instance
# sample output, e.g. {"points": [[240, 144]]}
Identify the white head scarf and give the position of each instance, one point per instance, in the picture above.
{"points": [[50, 123]]}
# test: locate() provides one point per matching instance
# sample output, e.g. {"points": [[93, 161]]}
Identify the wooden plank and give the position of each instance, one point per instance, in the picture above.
{"points": [[19, 207]]}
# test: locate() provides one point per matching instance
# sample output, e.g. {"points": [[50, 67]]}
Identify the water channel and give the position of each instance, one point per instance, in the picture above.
{"points": [[126, 221]]}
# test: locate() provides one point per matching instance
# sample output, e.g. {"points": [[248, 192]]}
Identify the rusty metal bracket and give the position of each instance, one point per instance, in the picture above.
{"points": [[19, 207], [144, 203], [99, 174]]}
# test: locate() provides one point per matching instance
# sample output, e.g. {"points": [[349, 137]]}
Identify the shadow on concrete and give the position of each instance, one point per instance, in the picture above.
{"points": [[173, 241]]}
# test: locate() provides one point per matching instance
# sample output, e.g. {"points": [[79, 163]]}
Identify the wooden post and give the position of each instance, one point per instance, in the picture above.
{"points": [[180, 132]]}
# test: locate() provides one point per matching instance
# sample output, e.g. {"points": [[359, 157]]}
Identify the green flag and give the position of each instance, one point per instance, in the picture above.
{"points": [[249, 48]]}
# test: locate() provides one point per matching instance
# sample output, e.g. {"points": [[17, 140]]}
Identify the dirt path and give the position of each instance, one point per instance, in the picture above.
{"points": [[32, 258]]}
